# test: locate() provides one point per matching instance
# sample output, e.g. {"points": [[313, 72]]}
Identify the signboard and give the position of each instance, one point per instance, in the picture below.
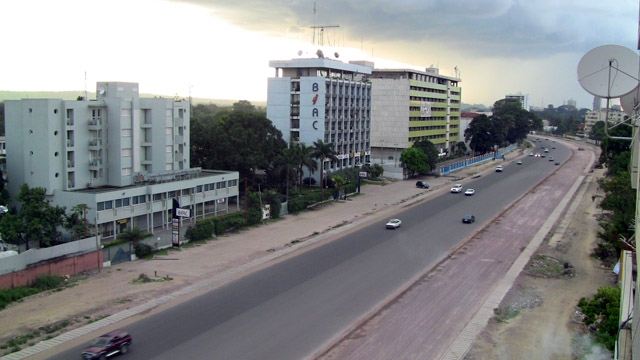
{"points": [[425, 109], [175, 232], [362, 174], [183, 212], [266, 212]]}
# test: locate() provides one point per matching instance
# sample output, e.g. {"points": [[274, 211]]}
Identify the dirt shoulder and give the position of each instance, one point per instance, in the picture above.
{"points": [[537, 317]]}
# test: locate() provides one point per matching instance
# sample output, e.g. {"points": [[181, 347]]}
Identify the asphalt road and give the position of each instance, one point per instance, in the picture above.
{"points": [[291, 308]]}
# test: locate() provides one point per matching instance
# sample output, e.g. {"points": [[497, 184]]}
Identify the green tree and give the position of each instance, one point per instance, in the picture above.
{"points": [[602, 311], [37, 220], [133, 235], [286, 167], [77, 222], [414, 161], [479, 134], [304, 159], [323, 152], [460, 148], [430, 152], [340, 183], [597, 132]]}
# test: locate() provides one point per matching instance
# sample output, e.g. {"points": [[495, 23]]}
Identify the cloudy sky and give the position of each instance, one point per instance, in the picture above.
{"points": [[220, 48]]}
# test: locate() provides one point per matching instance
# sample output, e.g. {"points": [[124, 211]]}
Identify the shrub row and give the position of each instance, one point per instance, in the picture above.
{"points": [[42, 283]]}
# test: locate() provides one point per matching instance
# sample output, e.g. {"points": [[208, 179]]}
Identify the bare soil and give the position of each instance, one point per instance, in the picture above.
{"points": [[537, 319]]}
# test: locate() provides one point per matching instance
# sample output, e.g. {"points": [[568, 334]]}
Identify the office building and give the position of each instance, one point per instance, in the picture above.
{"points": [[592, 117], [123, 156], [312, 99], [519, 97], [413, 105]]}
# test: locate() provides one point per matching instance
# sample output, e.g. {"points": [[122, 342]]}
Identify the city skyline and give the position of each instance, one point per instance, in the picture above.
{"points": [[220, 50]]}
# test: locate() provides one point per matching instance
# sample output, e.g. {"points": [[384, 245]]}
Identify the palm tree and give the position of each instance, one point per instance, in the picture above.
{"points": [[323, 151], [286, 166], [304, 159], [340, 183]]}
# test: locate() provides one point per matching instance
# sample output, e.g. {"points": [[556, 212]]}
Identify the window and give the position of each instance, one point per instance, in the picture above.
{"points": [[126, 132], [125, 202], [126, 152], [100, 206], [126, 171], [199, 188], [221, 185], [231, 183], [141, 199], [171, 194], [108, 205], [118, 203], [157, 197]]}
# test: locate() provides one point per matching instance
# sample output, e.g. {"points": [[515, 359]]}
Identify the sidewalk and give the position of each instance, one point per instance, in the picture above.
{"points": [[202, 268]]}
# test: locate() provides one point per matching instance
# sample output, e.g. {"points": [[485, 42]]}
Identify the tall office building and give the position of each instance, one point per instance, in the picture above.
{"points": [[597, 103], [123, 156], [521, 98], [412, 105], [323, 99]]}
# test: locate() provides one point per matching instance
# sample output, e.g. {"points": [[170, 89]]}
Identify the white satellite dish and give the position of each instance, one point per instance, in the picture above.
{"points": [[609, 71], [630, 101]]}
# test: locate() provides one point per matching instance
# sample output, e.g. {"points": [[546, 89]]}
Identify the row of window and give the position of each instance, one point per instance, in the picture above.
{"points": [[141, 199], [419, 88], [423, 128], [427, 137]]}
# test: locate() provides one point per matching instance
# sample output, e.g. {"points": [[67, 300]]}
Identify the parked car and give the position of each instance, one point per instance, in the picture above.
{"points": [[468, 219], [393, 224], [499, 168], [107, 345], [422, 184], [456, 188], [469, 192], [519, 162]]}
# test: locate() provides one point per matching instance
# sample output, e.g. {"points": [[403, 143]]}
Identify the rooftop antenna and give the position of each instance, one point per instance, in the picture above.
{"points": [[319, 28], [86, 96]]}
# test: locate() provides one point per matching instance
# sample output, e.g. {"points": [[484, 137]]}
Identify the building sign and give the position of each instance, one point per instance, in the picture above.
{"points": [[425, 109], [314, 102], [183, 212], [175, 232], [266, 212]]}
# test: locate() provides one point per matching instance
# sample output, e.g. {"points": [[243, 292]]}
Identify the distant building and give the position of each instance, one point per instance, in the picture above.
{"points": [[571, 102], [323, 99], [412, 105], [592, 117], [519, 97], [123, 156], [597, 103]]}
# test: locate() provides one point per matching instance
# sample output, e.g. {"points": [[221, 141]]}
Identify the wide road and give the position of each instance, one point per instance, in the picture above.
{"points": [[290, 309]]}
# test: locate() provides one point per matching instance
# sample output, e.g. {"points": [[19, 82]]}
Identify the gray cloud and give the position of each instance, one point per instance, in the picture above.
{"points": [[499, 28]]}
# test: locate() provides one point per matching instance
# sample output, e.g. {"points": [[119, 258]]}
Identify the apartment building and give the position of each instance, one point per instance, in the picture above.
{"points": [[312, 99], [412, 105], [123, 156], [592, 117]]}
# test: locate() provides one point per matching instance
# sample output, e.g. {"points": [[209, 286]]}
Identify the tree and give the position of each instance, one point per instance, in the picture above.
{"points": [[597, 132], [285, 167], [340, 183], [479, 134], [323, 151], [304, 158], [77, 221], [460, 148], [133, 235], [414, 161], [430, 152], [36, 220]]}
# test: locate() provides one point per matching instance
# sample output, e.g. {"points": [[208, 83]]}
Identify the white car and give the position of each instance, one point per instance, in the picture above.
{"points": [[499, 168], [393, 224], [469, 192], [456, 188]]}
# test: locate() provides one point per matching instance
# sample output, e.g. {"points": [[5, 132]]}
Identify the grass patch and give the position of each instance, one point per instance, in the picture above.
{"points": [[43, 283], [504, 314], [144, 279]]}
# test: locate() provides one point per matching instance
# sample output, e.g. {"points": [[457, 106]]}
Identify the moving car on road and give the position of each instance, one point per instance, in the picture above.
{"points": [[469, 192], [519, 162], [107, 345], [422, 184], [468, 219], [456, 188], [499, 168], [393, 224]]}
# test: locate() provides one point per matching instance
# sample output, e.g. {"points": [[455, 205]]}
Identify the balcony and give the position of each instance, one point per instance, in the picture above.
{"points": [[69, 143], [95, 144], [95, 164], [94, 124], [70, 164]]}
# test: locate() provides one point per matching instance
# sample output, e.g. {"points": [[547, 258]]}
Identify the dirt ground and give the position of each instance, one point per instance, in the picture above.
{"points": [[537, 318]]}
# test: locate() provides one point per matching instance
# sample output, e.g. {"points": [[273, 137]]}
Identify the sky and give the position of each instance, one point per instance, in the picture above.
{"points": [[220, 49]]}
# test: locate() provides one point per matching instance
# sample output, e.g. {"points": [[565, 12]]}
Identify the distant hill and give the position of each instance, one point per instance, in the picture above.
{"points": [[73, 95]]}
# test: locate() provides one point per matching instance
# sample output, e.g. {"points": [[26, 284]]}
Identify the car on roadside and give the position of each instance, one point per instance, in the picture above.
{"points": [[468, 219], [499, 168], [557, 162], [457, 188], [550, 158], [108, 345], [530, 154], [422, 184], [519, 162], [543, 155], [469, 192], [393, 224]]}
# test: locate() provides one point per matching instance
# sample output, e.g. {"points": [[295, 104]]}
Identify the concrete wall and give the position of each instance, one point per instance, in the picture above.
{"points": [[33, 256]]}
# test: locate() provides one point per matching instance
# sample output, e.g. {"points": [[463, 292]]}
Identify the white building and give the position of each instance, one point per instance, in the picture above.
{"points": [[123, 156], [323, 99], [592, 117]]}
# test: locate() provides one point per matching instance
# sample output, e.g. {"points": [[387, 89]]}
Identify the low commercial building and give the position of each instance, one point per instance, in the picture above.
{"points": [[123, 156]]}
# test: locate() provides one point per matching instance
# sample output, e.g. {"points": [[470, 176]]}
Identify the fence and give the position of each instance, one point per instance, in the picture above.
{"points": [[476, 160]]}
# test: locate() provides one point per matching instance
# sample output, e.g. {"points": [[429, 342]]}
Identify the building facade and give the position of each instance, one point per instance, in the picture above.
{"points": [[521, 98], [123, 156], [592, 117], [412, 105], [323, 99]]}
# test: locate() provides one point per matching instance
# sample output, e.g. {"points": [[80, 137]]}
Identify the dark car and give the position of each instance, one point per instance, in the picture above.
{"points": [[468, 219], [422, 184], [107, 345]]}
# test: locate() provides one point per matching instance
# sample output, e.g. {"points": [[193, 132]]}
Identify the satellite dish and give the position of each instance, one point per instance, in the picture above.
{"points": [[609, 71], [630, 101], [320, 54], [299, 52], [336, 55]]}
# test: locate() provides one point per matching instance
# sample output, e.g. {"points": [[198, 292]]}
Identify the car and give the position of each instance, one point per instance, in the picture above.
{"points": [[543, 155], [468, 219], [499, 168], [530, 154], [107, 345], [519, 162], [550, 158], [557, 162], [456, 188], [393, 224], [553, 147], [580, 149], [422, 184], [538, 155], [546, 150], [469, 192]]}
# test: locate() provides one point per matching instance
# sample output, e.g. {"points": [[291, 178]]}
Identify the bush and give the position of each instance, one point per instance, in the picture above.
{"points": [[309, 181], [142, 250], [228, 222], [602, 313], [48, 282], [201, 231]]}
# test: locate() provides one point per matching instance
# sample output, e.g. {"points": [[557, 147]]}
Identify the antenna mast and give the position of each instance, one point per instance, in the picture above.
{"points": [[319, 28]]}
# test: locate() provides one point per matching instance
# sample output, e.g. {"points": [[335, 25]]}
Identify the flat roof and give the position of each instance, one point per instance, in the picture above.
{"points": [[320, 63], [417, 72]]}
